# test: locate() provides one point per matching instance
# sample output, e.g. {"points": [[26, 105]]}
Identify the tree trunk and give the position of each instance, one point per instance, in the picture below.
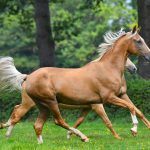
{"points": [[144, 23], [45, 41]]}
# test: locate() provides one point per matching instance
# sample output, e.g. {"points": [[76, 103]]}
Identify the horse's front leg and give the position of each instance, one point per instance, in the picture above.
{"points": [[81, 118], [99, 109], [126, 104], [138, 112]]}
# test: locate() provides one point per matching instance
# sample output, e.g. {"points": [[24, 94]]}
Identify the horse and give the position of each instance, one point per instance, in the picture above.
{"points": [[95, 83], [27, 103]]}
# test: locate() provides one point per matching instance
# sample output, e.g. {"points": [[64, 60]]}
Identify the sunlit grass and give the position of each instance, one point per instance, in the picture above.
{"points": [[24, 138]]}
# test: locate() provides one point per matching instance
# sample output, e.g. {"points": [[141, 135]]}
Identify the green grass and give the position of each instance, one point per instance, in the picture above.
{"points": [[23, 137]]}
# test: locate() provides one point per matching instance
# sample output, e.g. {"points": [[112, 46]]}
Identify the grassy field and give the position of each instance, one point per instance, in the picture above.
{"points": [[23, 138]]}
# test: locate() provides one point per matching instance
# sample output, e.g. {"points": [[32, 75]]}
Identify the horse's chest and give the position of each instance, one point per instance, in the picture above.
{"points": [[116, 87], [111, 86]]}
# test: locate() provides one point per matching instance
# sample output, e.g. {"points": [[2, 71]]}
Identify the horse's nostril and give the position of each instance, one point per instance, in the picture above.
{"points": [[135, 69]]}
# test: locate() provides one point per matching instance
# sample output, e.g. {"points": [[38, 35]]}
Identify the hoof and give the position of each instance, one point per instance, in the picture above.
{"points": [[85, 140], [134, 133], [1, 126], [118, 137], [39, 143], [40, 139], [69, 134], [7, 136]]}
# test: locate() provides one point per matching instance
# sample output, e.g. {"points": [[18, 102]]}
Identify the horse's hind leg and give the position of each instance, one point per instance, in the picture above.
{"points": [[9, 122], [18, 112], [38, 126], [60, 122], [81, 118], [99, 109]]}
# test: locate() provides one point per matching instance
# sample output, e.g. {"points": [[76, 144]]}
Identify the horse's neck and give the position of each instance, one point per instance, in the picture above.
{"points": [[116, 57]]}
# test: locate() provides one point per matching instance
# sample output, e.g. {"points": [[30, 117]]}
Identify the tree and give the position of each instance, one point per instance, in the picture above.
{"points": [[45, 40], [144, 23]]}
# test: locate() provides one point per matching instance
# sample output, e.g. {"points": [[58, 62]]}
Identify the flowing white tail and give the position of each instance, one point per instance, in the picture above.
{"points": [[10, 78]]}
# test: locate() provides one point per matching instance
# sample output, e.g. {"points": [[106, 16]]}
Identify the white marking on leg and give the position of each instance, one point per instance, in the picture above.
{"points": [[40, 139], [69, 134], [9, 130], [135, 123], [7, 124], [134, 119], [134, 128], [80, 134]]}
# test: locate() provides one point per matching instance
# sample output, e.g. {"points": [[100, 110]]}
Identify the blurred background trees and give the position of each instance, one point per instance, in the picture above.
{"points": [[77, 28], [66, 33], [144, 22]]}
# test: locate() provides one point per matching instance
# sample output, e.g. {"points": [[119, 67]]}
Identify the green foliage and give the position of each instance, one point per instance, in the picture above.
{"points": [[7, 102], [26, 64], [18, 34], [139, 91], [78, 29]]}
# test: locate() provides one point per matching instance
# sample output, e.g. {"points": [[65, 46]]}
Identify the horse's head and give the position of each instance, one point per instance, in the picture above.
{"points": [[137, 44], [130, 66]]}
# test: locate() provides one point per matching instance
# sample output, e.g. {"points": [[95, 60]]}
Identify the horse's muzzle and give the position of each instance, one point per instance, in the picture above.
{"points": [[132, 70]]}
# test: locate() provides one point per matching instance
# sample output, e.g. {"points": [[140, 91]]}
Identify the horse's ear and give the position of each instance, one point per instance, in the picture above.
{"points": [[134, 29], [138, 29]]}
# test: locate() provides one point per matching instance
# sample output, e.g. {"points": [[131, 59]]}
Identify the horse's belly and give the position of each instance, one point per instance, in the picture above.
{"points": [[78, 99], [76, 91]]}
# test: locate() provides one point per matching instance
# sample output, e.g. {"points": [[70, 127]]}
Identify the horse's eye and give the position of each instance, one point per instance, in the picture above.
{"points": [[139, 41]]}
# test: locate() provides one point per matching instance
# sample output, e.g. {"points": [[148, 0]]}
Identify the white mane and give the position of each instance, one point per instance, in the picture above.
{"points": [[110, 38]]}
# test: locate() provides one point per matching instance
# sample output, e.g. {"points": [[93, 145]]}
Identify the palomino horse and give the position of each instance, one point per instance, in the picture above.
{"points": [[98, 82], [27, 104]]}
